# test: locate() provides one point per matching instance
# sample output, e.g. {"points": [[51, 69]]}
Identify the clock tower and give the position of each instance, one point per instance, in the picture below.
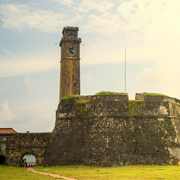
{"points": [[70, 62]]}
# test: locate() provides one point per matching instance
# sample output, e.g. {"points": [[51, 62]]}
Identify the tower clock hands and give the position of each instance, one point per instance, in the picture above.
{"points": [[71, 50]]}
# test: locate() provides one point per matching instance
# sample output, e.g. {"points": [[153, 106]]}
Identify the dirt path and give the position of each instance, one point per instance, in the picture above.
{"points": [[48, 174]]}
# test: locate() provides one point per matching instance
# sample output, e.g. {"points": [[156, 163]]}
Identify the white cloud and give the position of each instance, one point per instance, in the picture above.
{"points": [[27, 83], [148, 29], [39, 116], [104, 24], [101, 6], [66, 2], [6, 113], [38, 106], [22, 16], [126, 9], [26, 63], [88, 77], [153, 19], [163, 77], [34, 123], [23, 87], [163, 72], [149, 19], [47, 116], [172, 90]]}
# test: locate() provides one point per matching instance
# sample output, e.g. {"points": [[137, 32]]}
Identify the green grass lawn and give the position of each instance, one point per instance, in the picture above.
{"points": [[96, 173], [114, 173], [13, 172]]}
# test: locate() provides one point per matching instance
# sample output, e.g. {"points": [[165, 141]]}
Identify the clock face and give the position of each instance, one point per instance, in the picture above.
{"points": [[71, 50]]}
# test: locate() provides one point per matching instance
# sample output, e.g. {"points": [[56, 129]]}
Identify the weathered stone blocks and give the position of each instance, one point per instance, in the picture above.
{"points": [[110, 130], [17, 145]]}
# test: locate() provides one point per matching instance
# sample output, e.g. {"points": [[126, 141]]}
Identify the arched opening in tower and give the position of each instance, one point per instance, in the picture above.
{"points": [[2, 159], [28, 160]]}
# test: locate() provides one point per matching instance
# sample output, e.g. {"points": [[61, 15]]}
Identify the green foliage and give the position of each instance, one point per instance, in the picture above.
{"points": [[107, 92], [178, 104], [153, 94], [114, 173], [71, 96], [81, 102]]}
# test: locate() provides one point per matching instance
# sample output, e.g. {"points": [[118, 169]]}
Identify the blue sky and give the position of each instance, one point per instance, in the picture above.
{"points": [[149, 30]]}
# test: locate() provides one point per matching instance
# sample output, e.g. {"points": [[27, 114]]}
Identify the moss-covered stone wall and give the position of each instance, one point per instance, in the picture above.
{"points": [[110, 130]]}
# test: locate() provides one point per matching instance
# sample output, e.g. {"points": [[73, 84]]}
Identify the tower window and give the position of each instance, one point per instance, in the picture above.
{"points": [[71, 35]]}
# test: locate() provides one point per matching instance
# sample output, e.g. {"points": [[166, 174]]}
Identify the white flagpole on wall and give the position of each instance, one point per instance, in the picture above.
{"points": [[125, 70]]}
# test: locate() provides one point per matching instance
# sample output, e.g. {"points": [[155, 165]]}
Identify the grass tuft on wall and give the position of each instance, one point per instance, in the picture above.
{"points": [[153, 94], [107, 92], [81, 102], [71, 96]]}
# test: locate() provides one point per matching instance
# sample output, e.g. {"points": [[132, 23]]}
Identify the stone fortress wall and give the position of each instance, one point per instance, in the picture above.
{"points": [[111, 130], [14, 146]]}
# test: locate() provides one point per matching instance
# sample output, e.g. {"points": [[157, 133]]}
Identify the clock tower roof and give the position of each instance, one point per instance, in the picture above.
{"points": [[73, 32], [70, 28]]}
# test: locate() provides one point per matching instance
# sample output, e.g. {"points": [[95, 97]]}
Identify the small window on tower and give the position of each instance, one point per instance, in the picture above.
{"points": [[71, 35]]}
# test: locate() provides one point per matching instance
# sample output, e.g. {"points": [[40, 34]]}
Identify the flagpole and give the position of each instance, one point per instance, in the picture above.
{"points": [[125, 70]]}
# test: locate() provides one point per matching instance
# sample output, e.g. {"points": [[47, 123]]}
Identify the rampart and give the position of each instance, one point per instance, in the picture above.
{"points": [[14, 146], [111, 130]]}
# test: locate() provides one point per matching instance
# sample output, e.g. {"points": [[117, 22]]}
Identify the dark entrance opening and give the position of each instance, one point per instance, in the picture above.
{"points": [[30, 160], [2, 159]]}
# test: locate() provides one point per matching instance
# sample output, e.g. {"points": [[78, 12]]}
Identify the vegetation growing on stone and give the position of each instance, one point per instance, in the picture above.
{"points": [[107, 92], [71, 96], [153, 94], [83, 101], [131, 118], [178, 104], [136, 103]]}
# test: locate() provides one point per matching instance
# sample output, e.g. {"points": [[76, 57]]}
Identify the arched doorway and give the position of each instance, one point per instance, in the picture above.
{"points": [[30, 160], [2, 159]]}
